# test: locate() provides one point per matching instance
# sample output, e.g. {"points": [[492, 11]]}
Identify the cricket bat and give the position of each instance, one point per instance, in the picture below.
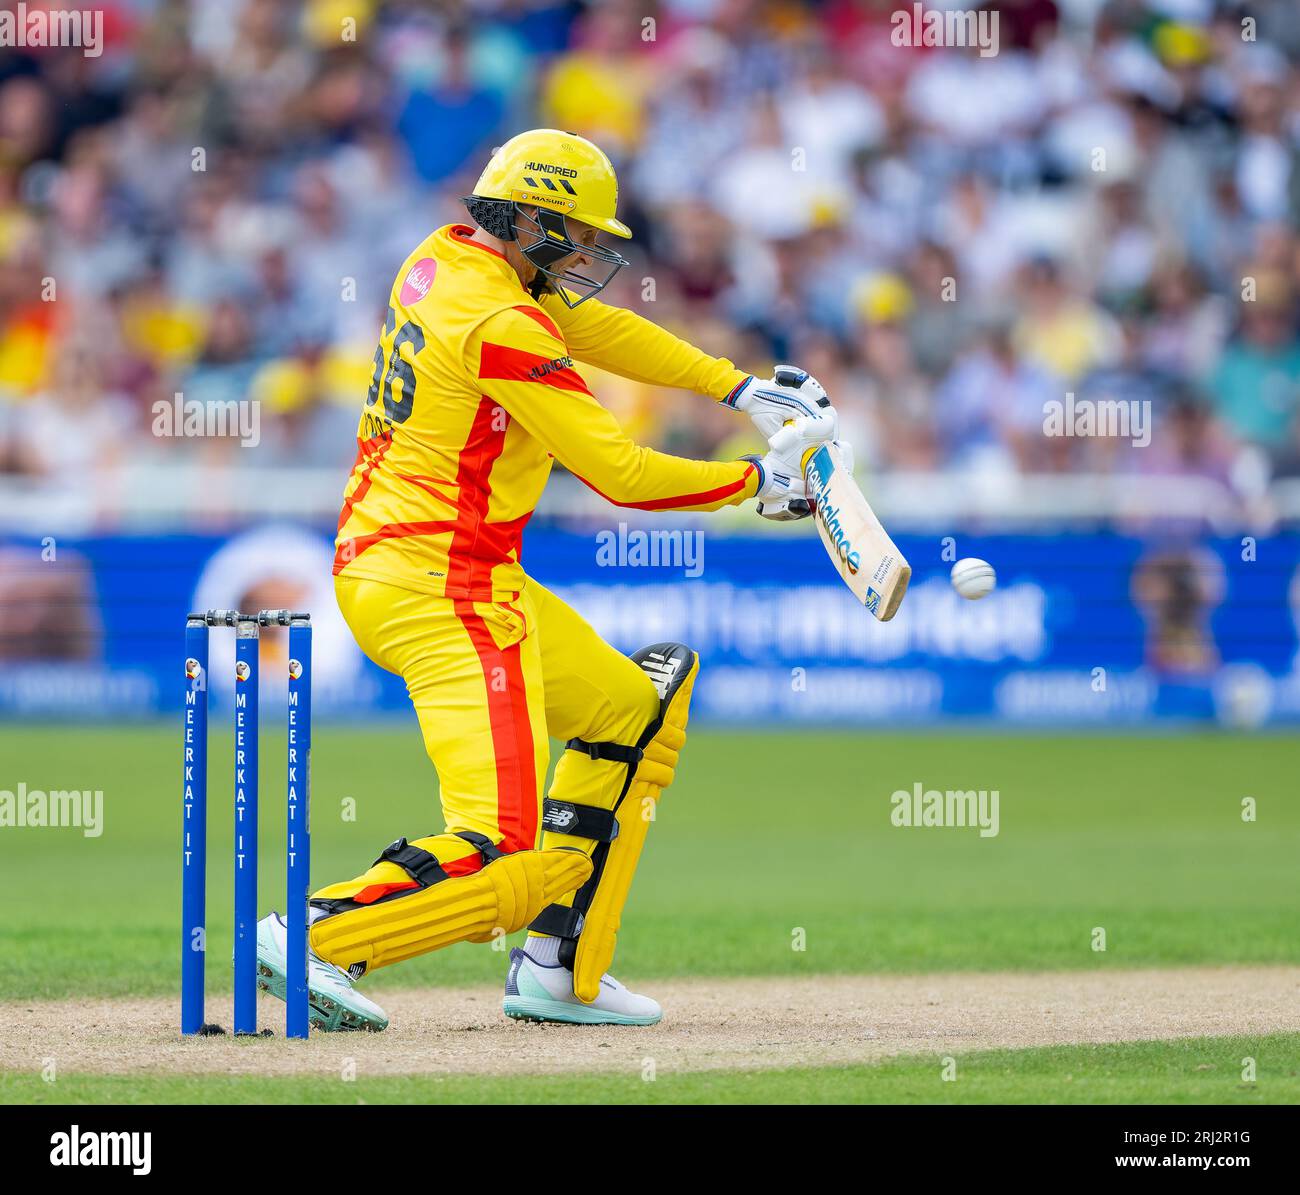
{"points": [[867, 559]]}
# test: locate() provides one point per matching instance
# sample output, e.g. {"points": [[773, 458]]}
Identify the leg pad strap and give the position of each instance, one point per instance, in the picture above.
{"points": [[614, 752], [583, 821], [560, 921], [423, 867]]}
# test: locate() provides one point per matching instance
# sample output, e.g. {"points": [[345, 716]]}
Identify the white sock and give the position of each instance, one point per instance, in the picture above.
{"points": [[544, 950]]}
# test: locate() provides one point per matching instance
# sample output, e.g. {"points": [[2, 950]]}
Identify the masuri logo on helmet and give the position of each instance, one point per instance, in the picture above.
{"points": [[563, 176]]}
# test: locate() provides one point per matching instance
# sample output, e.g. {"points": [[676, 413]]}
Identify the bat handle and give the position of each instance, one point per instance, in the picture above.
{"points": [[807, 453]]}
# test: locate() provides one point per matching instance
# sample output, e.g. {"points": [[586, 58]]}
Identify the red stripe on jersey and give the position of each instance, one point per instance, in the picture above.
{"points": [[496, 544], [512, 733], [680, 500], [429, 485], [487, 437], [372, 452], [536, 313], [500, 362], [349, 549], [476, 546], [503, 540]]}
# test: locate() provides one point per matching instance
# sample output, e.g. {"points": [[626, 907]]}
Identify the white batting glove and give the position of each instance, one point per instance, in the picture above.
{"points": [[783, 509], [790, 394], [778, 477], [782, 495]]}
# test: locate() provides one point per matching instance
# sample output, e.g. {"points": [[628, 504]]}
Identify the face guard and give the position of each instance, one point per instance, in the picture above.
{"points": [[551, 244]]}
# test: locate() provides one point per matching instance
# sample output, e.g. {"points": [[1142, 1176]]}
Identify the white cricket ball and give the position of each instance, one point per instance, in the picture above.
{"points": [[973, 578]]}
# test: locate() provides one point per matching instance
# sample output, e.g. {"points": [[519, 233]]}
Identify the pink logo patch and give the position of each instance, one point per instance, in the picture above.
{"points": [[418, 280]]}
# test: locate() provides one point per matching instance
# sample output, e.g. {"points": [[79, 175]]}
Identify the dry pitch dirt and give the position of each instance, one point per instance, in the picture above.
{"points": [[709, 1024]]}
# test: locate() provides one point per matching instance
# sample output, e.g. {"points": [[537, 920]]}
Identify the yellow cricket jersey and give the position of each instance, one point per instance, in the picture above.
{"points": [[474, 392]]}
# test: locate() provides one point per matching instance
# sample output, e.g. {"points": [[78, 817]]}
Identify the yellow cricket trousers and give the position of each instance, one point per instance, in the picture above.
{"points": [[490, 681]]}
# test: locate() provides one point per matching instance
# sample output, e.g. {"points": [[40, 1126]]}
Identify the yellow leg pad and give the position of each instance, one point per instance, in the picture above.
{"points": [[595, 951], [504, 896]]}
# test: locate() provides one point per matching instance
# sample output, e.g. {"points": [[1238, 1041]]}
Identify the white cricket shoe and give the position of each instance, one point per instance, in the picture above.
{"points": [[333, 1003], [544, 992]]}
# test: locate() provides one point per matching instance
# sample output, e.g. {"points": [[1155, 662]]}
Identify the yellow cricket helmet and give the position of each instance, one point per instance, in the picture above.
{"points": [[560, 171], [560, 175]]}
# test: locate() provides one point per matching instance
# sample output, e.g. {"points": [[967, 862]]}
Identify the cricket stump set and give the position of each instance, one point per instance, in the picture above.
{"points": [[247, 628]]}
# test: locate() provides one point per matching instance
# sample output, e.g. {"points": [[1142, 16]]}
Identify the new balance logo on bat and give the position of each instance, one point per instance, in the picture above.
{"points": [[830, 518], [868, 560]]}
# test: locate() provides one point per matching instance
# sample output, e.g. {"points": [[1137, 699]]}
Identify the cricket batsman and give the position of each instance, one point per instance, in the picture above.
{"points": [[474, 394]]}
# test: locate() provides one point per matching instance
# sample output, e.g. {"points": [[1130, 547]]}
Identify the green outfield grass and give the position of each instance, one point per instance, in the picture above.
{"points": [[1190, 1071], [764, 835]]}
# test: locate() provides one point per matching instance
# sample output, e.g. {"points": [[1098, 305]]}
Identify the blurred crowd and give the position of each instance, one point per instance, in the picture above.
{"points": [[1108, 207]]}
